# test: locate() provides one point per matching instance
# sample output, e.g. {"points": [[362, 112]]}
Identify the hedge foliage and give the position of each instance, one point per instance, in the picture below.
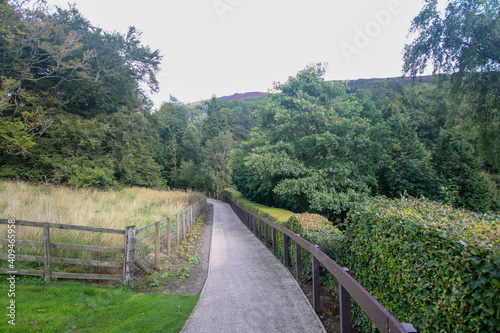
{"points": [[429, 264]]}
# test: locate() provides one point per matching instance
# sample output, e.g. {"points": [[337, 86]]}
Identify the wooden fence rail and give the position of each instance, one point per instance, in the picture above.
{"points": [[348, 286]]}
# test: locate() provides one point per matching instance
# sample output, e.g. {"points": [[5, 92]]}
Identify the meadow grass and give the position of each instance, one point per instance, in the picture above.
{"points": [[66, 306], [106, 209]]}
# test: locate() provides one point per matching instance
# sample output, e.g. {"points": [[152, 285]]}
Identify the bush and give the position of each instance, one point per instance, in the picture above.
{"points": [[429, 264], [319, 231]]}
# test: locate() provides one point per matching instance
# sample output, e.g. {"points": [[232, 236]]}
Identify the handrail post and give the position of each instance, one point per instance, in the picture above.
{"points": [[345, 308], [266, 234], [315, 273], [259, 232], [298, 261], [274, 241], [285, 249]]}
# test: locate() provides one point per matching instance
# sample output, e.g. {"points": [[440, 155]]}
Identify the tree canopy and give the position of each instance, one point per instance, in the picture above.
{"points": [[464, 42]]}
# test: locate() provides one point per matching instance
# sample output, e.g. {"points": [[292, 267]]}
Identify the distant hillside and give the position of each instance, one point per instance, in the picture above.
{"points": [[236, 97], [362, 83], [352, 84], [248, 95]]}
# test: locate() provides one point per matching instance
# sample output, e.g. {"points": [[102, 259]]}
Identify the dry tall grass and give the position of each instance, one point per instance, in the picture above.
{"points": [[107, 209]]}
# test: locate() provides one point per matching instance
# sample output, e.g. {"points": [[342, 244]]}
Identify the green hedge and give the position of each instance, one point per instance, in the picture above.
{"points": [[319, 231], [429, 264]]}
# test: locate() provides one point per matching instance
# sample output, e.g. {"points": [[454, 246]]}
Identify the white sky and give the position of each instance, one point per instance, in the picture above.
{"points": [[222, 47]]}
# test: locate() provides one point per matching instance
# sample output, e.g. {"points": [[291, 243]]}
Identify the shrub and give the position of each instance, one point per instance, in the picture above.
{"points": [[319, 231], [429, 264]]}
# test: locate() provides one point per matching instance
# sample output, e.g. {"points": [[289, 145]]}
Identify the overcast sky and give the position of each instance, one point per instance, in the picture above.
{"points": [[222, 47]]}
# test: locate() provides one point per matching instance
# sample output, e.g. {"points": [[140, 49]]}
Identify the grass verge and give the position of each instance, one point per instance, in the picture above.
{"points": [[277, 215], [65, 306]]}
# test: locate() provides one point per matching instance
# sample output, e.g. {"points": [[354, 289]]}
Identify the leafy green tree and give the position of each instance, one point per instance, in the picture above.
{"points": [[406, 168], [215, 167], [189, 174], [428, 107], [240, 116], [191, 147], [312, 149], [129, 141], [59, 70], [456, 161], [215, 123], [464, 41]]}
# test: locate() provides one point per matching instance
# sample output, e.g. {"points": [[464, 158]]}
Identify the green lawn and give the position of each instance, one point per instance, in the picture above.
{"points": [[65, 306]]}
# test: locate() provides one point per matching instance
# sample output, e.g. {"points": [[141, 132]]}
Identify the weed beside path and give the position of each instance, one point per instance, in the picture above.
{"points": [[185, 271]]}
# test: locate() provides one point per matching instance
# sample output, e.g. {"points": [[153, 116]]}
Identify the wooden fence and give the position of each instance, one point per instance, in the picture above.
{"points": [[127, 265], [348, 286], [182, 221], [47, 273]]}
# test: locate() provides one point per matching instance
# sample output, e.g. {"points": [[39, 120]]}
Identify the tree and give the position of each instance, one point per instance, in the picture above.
{"points": [[465, 43], [406, 168], [312, 149], [188, 173], [215, 123], [59, 70], [19, 125], [456, 161], [191, 147], [215, 167], [465, 39]]}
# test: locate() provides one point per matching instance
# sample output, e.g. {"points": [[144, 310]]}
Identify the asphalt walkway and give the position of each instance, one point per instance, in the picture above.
{"points": [[247, 289]]}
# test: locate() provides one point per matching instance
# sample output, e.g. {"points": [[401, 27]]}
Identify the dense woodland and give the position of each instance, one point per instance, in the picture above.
{"points": [[73, 110]]}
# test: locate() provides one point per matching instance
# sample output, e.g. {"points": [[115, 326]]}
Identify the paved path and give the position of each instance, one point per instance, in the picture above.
{"points": [[248, 289]]}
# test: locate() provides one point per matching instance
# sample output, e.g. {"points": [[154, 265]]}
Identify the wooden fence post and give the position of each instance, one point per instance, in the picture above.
{"points": [[190, 216], [129, 257], [177, 235], [345, 308], [169, 235], [46, 250], [183, 224], [157, 245]]}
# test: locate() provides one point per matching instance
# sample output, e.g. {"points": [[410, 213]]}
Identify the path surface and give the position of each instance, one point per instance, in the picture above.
{"points": [[248, 289]]}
